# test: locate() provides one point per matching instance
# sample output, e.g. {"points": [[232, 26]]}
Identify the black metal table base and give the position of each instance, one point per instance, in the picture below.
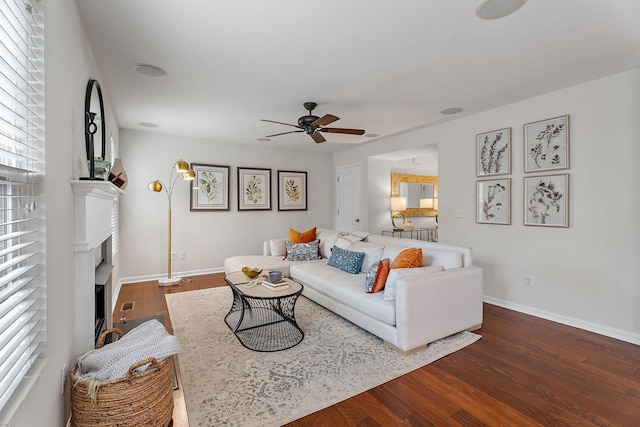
{"points": [[264, 324]]}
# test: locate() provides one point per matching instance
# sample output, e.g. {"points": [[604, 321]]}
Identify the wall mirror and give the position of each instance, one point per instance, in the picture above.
{"points": [[414, 188]]}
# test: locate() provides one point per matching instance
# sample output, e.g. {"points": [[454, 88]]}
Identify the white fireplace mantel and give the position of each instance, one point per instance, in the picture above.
{"points": [[93, 207]]}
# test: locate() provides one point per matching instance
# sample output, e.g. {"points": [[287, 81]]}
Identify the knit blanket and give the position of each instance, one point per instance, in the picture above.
{"points": [[150, 339]]}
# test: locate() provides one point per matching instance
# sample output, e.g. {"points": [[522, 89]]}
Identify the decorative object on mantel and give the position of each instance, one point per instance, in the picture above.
{"points": [[98, 167], [183, 170], [398, 206], [117, 175]]}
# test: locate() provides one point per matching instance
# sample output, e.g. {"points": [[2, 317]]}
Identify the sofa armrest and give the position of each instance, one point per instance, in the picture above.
{"points": [[266, 248], [437, 305]]}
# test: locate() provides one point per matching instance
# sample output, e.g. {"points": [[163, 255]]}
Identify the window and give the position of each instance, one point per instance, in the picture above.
{"points": [[22, 287]]}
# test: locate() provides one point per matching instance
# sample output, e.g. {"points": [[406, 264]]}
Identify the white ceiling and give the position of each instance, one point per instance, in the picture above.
{"points": [[383, 66]]}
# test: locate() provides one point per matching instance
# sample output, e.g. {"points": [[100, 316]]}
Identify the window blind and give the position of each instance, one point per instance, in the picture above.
{"points": [[22, 287]]}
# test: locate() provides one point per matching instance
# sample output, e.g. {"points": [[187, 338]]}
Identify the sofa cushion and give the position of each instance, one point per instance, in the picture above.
{"points": [[302, 237], [344, 288], [408, 258], [277, 247], [327, 240], [377, 276], [372, 253], [403, 273], [447, 259], [302, 251], [348, 261]]}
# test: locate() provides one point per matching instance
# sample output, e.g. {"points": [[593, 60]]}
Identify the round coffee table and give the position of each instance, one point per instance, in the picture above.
{"points": [[262, 319]]}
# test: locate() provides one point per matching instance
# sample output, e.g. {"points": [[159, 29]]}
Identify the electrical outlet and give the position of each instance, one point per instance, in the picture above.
{"points": [[63, 377], [528, 281], [182, 255], [174, 256], [458, 213]]}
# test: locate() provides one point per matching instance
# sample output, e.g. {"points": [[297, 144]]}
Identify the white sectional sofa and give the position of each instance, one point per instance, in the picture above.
{"points": [[439, 299]]}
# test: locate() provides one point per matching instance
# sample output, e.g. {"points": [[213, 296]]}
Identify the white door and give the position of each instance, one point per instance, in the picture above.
{"points": [[348, 198]]}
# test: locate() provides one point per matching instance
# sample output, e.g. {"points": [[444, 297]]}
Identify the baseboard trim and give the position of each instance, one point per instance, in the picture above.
{"points": [[569, 321]]}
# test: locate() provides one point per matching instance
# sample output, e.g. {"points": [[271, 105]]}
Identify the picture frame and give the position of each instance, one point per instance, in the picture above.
{"points": [[493, 152], [493, 201], [254, 189], [210, 188], [546, 200], [292, 191], [547, 144]]}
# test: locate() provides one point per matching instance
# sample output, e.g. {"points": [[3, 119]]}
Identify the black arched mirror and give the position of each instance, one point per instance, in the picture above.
{"points": [[94, 119]]}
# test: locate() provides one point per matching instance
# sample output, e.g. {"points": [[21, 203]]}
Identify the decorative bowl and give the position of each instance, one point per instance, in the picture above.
{"points": [[251, 272]]}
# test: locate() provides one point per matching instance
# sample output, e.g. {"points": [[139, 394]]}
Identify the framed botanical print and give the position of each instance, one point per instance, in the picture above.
{"points": [[493, 152], [493, 201], [547, 144], [546, 200], [254, 189], [210, 188], [292, 191]]}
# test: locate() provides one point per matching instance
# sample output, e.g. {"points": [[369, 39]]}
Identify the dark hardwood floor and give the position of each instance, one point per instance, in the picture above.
{"points": [[525, 371]]}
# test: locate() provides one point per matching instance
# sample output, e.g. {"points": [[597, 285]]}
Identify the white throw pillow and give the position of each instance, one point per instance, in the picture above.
{"points": [[346, 240], [278, 247], [396, 274]]}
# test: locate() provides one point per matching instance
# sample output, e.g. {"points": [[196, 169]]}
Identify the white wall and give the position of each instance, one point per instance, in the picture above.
{"points": [[69, 63], [586, 275], [208, 237]]}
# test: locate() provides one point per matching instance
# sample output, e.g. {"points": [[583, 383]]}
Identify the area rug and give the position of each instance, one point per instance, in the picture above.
{"points": [[226, 384]]}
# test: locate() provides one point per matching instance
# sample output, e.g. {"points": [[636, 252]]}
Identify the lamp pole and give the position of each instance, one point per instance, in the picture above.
{"points": [[181, 169]]}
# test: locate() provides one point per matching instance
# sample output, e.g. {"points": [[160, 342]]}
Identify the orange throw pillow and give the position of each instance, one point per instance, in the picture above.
{"points": [[408, 258], [304, 237], [381, 277]]}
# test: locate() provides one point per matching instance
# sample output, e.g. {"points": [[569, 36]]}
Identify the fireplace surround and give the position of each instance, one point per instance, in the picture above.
{"points": [[92, 247]]}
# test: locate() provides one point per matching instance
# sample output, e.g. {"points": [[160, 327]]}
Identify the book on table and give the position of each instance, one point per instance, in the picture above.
{"points": [[275, 286]]}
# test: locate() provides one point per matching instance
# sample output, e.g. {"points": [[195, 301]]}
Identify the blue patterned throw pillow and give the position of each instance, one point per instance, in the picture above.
{"points": [[348, 261], [302, 251]]}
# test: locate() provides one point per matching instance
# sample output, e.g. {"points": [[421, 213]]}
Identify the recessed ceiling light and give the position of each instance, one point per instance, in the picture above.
{"points": [[148, 125], [494, 9], [454, 110], [149, 70], [372, 135], [264, 139]]}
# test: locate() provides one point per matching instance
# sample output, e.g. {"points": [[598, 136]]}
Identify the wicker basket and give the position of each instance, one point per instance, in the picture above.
{"points": [[139, 399]]}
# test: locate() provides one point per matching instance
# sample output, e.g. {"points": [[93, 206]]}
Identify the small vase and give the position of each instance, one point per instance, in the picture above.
{"points": [[100, 168], [117, 175]]}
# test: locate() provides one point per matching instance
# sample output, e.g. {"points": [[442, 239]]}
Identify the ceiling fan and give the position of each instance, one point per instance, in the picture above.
{"points": [[313, 125]]}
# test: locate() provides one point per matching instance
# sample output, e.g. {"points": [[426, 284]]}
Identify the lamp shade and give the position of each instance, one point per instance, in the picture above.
{"points": [[182, 166], [398, 203], [426, 203]]}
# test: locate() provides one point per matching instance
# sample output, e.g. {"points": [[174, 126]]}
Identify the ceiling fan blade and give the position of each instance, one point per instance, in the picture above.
{"points": [[342, 130], [325, 120], [283, 133], [280, 123], [317, 137]]}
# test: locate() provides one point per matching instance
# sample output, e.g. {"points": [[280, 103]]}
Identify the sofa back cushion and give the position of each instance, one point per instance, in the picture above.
{"points": [[327, 240], [372, 253], [278, 247], [447, 259]]}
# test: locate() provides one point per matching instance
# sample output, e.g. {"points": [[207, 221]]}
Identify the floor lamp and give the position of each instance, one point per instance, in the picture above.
{"points": [[181, 169]]}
